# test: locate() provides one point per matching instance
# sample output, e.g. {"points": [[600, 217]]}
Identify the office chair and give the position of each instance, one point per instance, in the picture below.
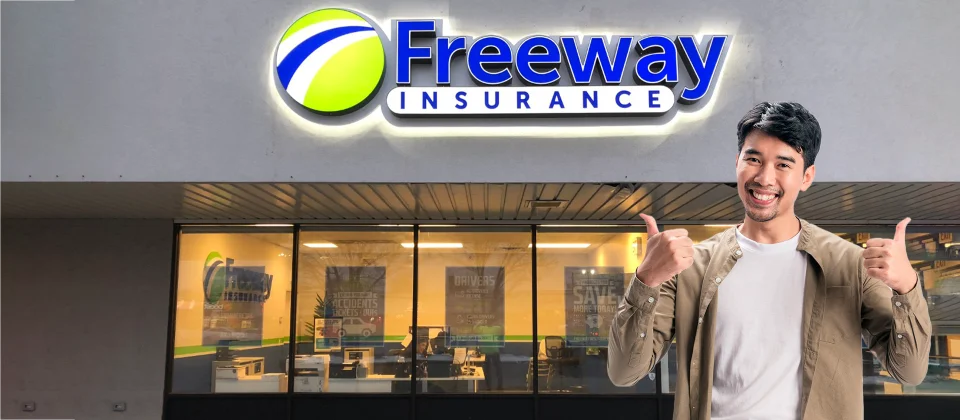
{"points": [[554, 348]]}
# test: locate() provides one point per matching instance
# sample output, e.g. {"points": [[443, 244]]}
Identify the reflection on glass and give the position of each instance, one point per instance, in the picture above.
{"points": [[581, 277], [475, 310], [233, 306], [697, 234], [936, 255], [354, 310], [668, 370]]}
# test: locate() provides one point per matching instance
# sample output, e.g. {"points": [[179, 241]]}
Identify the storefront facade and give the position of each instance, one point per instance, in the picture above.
{"points": [[366, 177]]}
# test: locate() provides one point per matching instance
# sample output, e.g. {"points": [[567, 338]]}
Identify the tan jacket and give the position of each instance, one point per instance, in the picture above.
{"points": [[840, 304]]}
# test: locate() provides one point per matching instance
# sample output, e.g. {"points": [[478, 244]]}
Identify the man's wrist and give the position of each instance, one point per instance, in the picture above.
{"points": [[909, 285], [647, 279]]}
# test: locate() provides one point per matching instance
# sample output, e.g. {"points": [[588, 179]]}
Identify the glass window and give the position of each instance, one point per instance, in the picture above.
{"points": [[233, 310], [935, 253], [354, 310], [697, 233], [475, 310], [581, 277]]}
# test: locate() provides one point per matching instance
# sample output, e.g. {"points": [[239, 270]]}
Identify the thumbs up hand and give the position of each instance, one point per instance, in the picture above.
{"points": [[668, 253], [886, 260]]}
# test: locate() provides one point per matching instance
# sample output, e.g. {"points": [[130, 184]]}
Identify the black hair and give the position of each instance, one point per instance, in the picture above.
{"points": [[788, 121]]}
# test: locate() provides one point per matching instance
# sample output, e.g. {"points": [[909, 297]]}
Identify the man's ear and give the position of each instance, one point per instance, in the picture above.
{"points": [[808, 176]]}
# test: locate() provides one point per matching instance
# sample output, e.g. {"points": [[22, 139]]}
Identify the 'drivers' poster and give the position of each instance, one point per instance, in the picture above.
{"points": [[475, 309], [356, 294], [591, 296]]}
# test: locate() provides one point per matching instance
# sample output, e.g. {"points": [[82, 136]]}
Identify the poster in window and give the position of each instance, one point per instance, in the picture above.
{"points": [[356, 295], [475, 306], [591, 297], [234, 296], [326, 334]]}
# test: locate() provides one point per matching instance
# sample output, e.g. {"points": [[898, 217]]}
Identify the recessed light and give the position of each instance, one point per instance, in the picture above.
{"points": [[560, 246], [432, 245], [320, 245]]}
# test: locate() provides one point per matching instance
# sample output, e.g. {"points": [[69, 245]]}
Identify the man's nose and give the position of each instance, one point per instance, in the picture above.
{"points": [[766, 175]]}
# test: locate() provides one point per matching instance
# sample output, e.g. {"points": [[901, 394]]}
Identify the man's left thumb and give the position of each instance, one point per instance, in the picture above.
{"points": [[901, 233]]}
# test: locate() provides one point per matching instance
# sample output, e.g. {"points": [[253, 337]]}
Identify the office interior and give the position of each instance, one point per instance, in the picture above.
{"points": [[373, 349]]}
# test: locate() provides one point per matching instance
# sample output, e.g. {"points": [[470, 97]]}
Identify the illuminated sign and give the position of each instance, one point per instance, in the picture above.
{"points": [[333, 61]]}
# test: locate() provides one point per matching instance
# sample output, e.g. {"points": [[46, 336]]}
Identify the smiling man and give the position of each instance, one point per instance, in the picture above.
{"points": [[768, 316]]}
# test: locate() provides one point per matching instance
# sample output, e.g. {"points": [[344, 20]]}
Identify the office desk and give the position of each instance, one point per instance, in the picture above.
{"points": [[267, 382], [241, 374], [384, 383]]}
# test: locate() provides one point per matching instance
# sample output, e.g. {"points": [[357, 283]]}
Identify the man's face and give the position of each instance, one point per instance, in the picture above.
{"points": [[770, 176]]}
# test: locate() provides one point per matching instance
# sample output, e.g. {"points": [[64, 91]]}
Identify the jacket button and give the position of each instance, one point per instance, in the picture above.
{"points": [[717, 280], [650, 299], [643, 334], [700, 320], [899, 335], [898, 304], [738, 252]]}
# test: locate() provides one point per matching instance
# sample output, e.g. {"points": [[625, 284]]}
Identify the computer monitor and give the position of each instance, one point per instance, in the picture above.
{"points": [[223, 351], [364, 355], [426, 332], [430, 333]]}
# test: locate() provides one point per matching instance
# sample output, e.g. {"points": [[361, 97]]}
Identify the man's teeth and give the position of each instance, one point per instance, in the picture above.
{"points": [[763, 197]]}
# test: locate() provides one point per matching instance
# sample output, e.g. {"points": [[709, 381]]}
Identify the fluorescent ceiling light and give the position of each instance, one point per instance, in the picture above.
{"points": [[581, 226], [560, 245], [271, 225], [432, 245], [320, 245]]}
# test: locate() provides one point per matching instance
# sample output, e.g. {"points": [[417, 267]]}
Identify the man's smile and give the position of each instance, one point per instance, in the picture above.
{"points": [[762, 198]]}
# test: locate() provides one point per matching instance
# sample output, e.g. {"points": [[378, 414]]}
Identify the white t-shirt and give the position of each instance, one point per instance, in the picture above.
{"points": [[758, 342]]}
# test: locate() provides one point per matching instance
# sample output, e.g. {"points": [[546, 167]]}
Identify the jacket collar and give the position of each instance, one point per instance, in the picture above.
{"points": [[808, 240]]}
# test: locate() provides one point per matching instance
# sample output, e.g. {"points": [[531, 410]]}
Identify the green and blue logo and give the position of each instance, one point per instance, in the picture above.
{"points": [[214, 278], [224, 281], [331, 61]]}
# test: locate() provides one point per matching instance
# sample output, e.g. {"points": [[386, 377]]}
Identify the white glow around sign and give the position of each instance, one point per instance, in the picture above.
{"points": [[581, 75]]}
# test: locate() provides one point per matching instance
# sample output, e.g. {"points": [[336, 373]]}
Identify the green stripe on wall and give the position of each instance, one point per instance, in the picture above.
{"points": [[386, 338], [195, 350], [185, 350]]}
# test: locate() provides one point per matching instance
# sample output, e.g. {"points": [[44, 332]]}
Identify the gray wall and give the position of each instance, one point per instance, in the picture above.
{"points": [[181, 90], [84, 312]]}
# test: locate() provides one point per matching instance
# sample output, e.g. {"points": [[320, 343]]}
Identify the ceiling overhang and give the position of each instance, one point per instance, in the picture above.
{"points": [[526, 203]]}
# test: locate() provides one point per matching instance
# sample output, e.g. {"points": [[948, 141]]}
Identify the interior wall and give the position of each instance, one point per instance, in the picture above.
{"points": [[84, 317], [272, 251], [607, 250], [398, 288]]}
